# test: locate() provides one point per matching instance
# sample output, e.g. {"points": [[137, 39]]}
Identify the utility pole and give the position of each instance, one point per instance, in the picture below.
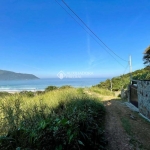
{"points": [[130, 64], [111, 85]]}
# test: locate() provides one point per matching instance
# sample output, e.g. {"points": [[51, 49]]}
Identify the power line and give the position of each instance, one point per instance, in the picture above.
{"points": [[88, 33], [126, 68], [92, 31], [122, 80]]}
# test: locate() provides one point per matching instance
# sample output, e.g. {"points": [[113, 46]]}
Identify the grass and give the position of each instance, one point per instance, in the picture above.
{"points": [[126, 125], [102, 91], [3, 94], [128, 128], [59, 119]]}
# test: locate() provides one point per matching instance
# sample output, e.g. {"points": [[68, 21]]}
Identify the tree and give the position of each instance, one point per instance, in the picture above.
{"points": [[146, 57]]}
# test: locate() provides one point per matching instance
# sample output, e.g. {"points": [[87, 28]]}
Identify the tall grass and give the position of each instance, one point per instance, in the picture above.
{"points": [[61, 119], [102, 91]]}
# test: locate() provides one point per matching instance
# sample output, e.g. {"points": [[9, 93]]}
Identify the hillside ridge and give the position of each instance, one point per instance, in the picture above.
{"points": [[10, 75]]}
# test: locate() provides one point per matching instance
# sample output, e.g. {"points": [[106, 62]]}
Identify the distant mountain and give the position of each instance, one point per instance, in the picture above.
{"points": [[9, 75]]}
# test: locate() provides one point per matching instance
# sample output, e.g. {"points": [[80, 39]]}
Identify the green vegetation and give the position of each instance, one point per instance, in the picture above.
{"points": [[126, 125], [128, 128], [146, 57], [65, 87], [123, 81], [51, 88], [59, 119], [3, 94], [27, 93], [101, 91]]}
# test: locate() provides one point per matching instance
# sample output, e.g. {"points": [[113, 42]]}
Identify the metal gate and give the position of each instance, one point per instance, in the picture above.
{"points": [[133, 93]]}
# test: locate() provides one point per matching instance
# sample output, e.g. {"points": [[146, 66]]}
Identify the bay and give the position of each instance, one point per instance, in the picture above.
{"points": [[41, 84]]}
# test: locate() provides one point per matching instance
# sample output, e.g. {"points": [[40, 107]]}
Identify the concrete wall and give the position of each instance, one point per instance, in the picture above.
{"points": [[143, 92]]}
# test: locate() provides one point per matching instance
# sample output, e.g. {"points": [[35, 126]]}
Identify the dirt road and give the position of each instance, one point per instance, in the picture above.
{"points": [[125, 129]]}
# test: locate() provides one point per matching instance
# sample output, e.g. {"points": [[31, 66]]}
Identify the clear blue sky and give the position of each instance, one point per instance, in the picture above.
{"points": [[39, 37]]}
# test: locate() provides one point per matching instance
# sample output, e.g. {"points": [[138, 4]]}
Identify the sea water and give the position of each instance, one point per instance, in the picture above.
{"points": [[41, 84]]}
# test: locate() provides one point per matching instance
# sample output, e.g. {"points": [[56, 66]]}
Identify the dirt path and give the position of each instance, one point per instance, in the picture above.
{"points": [[117, 138], [125, 129]]}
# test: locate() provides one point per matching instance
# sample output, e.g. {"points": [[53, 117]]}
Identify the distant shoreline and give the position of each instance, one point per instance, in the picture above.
{"points": [[42, 84], [18, 91]]}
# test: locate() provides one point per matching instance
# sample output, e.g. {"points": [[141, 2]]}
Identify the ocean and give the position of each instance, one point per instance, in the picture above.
{"points": [[41, 84]]}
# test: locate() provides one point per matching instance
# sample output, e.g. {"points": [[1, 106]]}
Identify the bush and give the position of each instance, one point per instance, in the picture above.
{"points": [[27, 93], [65, 87], [39, 92], [51, 88]]}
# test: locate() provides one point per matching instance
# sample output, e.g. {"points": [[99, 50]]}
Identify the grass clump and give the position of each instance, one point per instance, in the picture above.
{"points": [[60, 120]]}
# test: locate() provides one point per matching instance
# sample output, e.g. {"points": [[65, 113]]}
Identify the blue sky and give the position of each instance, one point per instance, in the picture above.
{"points": [[39, 37]]}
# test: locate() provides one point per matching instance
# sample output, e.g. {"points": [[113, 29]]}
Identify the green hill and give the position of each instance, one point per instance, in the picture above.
{"points": [[123, 81], [9, 75]]}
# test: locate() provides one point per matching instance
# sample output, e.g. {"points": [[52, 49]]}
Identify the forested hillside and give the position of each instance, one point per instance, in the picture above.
{"points": [[122, 81]]}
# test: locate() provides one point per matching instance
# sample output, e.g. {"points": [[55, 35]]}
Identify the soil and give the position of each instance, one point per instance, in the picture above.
{"points": [[131, 134]]}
